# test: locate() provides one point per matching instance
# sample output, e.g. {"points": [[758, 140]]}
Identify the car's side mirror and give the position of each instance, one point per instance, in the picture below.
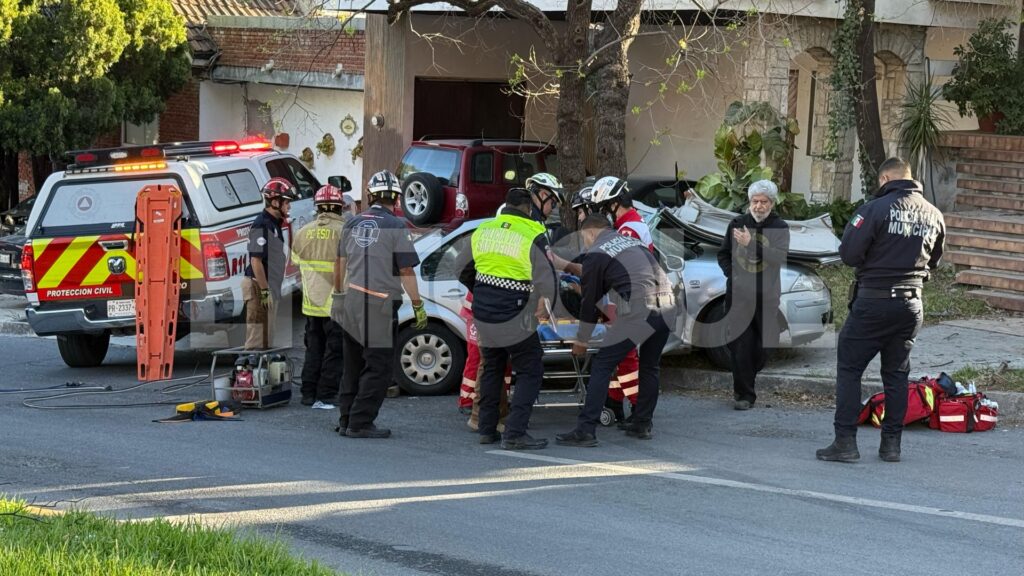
{"points": [[340, 182], [673, 263]]}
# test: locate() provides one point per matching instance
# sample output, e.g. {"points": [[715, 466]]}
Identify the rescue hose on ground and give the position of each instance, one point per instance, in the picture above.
{"points": [[177, 385]]}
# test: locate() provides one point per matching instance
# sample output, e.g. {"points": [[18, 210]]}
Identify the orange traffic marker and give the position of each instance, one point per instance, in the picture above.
{"points": [[158, 286]]}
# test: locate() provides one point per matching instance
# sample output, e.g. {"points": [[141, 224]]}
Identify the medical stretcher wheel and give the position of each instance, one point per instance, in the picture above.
{"points": [[607, 417]]}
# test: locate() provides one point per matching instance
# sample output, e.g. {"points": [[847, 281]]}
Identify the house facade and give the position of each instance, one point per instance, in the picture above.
{"points": [[784, 57]]}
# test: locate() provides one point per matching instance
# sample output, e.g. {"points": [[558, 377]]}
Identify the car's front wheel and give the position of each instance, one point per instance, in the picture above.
{"points": [[715, 331], [429, 362], [83, 350]]}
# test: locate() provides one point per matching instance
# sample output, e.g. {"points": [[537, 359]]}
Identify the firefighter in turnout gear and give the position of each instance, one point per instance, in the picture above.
{"points": [[375, 264], [513, 277], [893, 241], [624, 270], [314, 250], [261, 287]]}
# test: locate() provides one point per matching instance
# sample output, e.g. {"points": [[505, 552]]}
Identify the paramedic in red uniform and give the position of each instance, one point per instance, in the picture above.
{"points": [[892, 241]]}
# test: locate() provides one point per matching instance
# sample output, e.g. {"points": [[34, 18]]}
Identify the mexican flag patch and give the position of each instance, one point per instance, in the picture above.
{"points": [[857, 221]]}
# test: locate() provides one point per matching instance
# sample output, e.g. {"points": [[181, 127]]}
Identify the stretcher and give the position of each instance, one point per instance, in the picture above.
{"points": [[557, 337]]}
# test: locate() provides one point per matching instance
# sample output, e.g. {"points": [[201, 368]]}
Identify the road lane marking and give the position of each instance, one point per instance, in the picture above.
{"points": [[809, 494]]}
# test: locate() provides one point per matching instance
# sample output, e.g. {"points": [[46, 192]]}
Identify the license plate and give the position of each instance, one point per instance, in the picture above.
{"points": [[120, 308], [5, 258]]}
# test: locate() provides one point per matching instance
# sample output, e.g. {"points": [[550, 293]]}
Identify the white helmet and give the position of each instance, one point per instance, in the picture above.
{"points": [[609, 189], [544, 180], [385, 185]]}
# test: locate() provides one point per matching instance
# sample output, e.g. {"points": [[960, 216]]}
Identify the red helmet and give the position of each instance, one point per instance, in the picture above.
{"points": [[328, 194], [279, 188]]}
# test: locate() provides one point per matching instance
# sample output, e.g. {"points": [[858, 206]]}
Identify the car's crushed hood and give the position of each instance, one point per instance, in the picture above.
{"points": [[810, 240]]}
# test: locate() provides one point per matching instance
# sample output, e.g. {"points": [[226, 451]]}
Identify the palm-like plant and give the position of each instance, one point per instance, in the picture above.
{"points": [[921, 124]]}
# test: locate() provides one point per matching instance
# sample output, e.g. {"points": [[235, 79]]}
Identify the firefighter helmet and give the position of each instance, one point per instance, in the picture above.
{"points": [[279, 188], [328, 195], [384, 185]]}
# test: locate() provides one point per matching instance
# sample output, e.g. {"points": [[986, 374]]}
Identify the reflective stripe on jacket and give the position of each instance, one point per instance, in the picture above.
{"points": [[314, 250]]}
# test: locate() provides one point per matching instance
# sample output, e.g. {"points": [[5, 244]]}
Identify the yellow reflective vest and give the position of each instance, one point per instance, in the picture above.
{"points": [[314, 250], [501, 247]]}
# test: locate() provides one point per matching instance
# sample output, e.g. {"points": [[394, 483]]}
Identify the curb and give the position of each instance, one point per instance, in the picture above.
{"points": [[15, 328], [1011, 404]]}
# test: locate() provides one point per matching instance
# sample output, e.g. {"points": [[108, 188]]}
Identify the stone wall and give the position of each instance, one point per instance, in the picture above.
{"points": [[900, 49]]}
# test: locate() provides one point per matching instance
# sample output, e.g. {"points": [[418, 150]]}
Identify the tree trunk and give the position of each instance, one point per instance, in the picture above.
{"points": [[611, 81], [869, 125], [570, 117]]}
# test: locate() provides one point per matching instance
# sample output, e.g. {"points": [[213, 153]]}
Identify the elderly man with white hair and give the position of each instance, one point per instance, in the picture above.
{"points": [[755, 247]]}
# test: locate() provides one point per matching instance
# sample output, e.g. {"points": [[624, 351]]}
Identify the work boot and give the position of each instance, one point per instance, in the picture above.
{"points": [[523, 442], [842, 449], [492, 438], [576, 438], [640, 430], [889, 449], [370, 431]]}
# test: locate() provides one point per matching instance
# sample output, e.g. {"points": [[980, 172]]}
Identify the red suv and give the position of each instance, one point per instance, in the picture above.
{"points": [[446, 179]]}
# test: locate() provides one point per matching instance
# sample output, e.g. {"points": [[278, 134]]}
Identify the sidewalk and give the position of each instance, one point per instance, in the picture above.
{"points": [[944, 347]]}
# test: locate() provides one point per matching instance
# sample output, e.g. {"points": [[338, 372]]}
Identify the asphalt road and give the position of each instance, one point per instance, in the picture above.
{"points": [[716, 492]]}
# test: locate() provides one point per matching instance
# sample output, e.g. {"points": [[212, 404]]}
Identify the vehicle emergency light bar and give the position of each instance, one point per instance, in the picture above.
{"points": [[137, 158]]}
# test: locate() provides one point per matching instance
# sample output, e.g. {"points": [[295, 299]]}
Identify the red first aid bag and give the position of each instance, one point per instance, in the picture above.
{"points": [[921, 401], [964, 414]]}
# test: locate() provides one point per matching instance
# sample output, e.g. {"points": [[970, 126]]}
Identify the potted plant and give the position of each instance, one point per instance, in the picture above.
{"points": [[985, 70]]}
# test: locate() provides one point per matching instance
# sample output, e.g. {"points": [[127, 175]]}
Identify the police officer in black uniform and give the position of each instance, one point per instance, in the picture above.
{"points": [[624, 269], [375, 263], [893, 241]]}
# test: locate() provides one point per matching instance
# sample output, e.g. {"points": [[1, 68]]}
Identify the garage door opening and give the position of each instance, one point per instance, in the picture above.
{"points": [[466, 109]]}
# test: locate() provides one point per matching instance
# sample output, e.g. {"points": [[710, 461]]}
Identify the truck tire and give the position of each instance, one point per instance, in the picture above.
{"points": [[422, 198], [83, 350]]}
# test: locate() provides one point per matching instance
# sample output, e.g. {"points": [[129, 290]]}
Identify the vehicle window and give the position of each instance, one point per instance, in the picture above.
{"points": [[441, 162], [483, 168], [669, 239], [291, 170], [232, 190], [551, 163], [99, 204], [440, 265], [516, 168], [664, 195]]}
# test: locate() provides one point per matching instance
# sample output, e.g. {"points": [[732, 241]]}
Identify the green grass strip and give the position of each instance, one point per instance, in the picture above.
{"points": [[84, 544], [943, 298]]}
